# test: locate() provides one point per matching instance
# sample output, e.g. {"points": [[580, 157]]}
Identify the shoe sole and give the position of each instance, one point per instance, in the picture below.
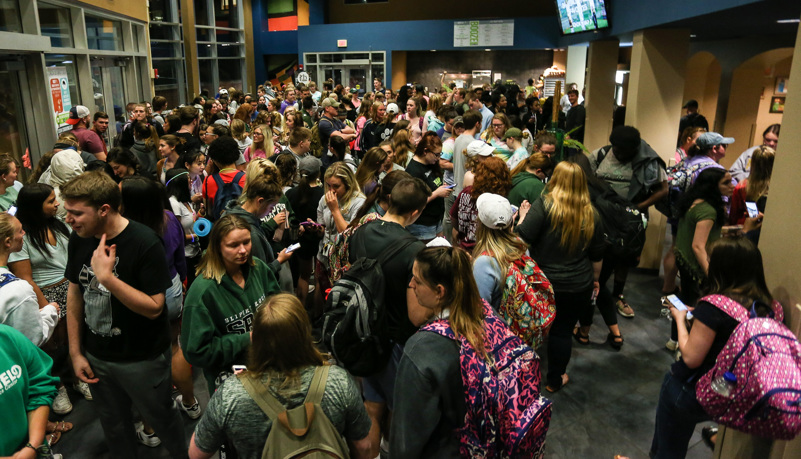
{"points": [[62, 412]]}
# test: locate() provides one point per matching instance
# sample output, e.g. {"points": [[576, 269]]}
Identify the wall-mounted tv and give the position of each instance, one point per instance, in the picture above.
{"points": [[577, 16]]}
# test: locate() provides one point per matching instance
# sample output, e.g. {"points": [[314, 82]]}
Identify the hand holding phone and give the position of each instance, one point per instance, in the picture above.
{"points": [[751, 207], [293, 247], [676, 302]]}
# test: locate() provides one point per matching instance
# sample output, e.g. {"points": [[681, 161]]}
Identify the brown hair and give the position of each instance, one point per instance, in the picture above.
{"points": [[212, 266], [95, 188]]}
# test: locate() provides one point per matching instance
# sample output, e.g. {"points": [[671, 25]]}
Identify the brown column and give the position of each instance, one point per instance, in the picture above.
{"points": [[600, 98], [398, 70], [250, 56], [190, 49]]}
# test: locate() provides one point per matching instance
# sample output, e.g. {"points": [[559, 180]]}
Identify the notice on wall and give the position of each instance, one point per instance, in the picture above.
{"points": [[500, 32], [60, 92]]}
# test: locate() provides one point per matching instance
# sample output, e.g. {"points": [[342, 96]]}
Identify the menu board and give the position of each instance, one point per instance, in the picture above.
{"points": [[498, 32]]}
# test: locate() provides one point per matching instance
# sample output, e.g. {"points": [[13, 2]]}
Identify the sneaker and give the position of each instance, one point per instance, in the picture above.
{"points": [[62, 404], [192, 411], [83, 388], [672, 345], [149, 440]]}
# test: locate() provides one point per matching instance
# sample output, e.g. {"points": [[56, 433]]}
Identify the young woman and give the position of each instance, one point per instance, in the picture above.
{"points": [[514, 140], [243, 113], [686, 141], [195, 163], [431, 122], [494, 135], [123, 162], [304, 199], [287, 169], [564, 236], [425, 166], [284, 360], [755, 187], [376, 115], [369, 171], [491, 176], [378, 202], [442, 281], [168, 145], [361, 120], [8, 174], [342, 200], [239, 131], [402, 146], [414, 115], [220, 305], [146, 141], [528, 178], [180, 197], [261, 144], [735, 271]]}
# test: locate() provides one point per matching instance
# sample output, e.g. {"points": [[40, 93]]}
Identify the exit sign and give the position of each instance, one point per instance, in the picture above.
{"points": [[342, 43]]}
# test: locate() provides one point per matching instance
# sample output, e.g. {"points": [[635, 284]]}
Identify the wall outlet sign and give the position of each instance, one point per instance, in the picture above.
{"points": [[342, 43]]}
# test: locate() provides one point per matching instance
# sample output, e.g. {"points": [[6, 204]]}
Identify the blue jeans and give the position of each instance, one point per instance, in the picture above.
{"points": [[677, 414]]}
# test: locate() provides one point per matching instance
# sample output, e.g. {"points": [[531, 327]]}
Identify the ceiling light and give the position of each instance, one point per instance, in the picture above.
{"points": [[487, 49], [693, 36], [788, 21]]}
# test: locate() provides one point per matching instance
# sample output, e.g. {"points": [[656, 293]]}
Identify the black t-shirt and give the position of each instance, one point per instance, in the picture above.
{"points": [[191, 142], [309, 241], [369, 241], [435, 209], [111, 331], [327, 126], [723, 325]]}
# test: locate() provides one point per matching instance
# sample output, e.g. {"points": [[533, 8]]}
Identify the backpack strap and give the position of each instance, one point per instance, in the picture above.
{"points": [[262, 396], [599, 158], [6, 279], [317, 386], [732, 308]]}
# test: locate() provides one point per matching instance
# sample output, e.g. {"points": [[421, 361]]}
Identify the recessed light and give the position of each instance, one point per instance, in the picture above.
{"points": [[788, 21], [693, 36], [487, 49], [433, 50]]}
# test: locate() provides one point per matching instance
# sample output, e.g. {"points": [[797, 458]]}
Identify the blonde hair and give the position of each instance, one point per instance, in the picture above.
{"points": [[537, 160], [761, 170], [6, 228], [434, 103], [265, 145], [256, 168], [569, 208], [488, 134], [212, 266], [501, 244], [238, 129], [341, 171]]}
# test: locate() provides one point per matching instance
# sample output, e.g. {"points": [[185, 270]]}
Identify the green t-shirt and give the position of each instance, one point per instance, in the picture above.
{"points": [[684, 239], [8, 199]]}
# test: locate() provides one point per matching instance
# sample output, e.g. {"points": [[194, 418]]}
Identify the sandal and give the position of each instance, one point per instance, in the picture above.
{"points": [[623, 308], [60, 426], [616, 341], [565, 380], [581, 339], [53, 438]]}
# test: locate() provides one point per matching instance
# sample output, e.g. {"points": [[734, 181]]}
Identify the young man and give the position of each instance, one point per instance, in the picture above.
{"points": [[406, 203], [88, 140], [299, 144], [472, 124], [446, 163], [575, 116], [474, 101], [138, 113], [224, 151], [446, 131], [742, 167], [692, 118], [190, 117], [119, 335], [100, 126], [330, 125]]}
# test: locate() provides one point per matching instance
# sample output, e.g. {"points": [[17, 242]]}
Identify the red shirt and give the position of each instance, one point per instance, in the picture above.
{"points": [[88, 140], [210, 186]]}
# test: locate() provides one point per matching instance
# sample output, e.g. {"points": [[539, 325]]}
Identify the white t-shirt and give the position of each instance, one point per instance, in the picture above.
{"points": [[187, 219]]}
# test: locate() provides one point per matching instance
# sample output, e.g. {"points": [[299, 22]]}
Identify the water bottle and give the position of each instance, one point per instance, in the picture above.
{"points": [[724, 385]]}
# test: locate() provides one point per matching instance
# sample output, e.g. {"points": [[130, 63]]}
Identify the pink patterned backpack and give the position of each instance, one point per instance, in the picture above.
{"points": [[506, 415], [765, 358]]}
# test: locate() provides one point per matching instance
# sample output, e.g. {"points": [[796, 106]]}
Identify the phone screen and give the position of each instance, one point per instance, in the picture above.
{"points": [[753, 212], [676, 302]]}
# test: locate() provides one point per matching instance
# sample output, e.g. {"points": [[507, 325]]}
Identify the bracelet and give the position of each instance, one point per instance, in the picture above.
{"points": [[193, 238], [28, 445]]}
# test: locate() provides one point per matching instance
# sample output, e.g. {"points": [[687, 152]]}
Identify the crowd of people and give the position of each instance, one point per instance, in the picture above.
{"points": [[108, 283]]}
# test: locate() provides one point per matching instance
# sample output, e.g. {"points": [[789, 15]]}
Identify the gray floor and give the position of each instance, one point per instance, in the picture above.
{"points": [[607, 408]]}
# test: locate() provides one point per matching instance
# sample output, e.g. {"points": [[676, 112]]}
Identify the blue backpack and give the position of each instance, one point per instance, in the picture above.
{"points": [[226, 192]]}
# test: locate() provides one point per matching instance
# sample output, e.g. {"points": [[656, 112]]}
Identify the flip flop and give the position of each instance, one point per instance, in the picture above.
{"points": [[59, 426], [53, 438]]}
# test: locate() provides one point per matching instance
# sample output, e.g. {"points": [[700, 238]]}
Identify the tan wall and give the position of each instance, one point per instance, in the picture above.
{"points": [[600, 98], [560, 59], [416, 10], [764, 117], [136, 9], [398, 69], [747, 109], [702, 83]]}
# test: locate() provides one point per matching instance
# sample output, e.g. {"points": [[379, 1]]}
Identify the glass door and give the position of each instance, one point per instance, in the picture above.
{"points": [[108, 84], [13, 132], [357, 78]]}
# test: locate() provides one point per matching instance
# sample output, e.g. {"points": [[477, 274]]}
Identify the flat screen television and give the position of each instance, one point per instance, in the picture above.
{"points": [[577, 16]]}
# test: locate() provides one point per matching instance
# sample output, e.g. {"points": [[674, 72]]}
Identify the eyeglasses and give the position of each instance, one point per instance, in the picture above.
{"points": [[497, 125]]}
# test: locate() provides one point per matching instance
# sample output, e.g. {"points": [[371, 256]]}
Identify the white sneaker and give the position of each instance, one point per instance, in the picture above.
{"points": [[192, 411], [83, 388], [149, 440], [672, 345], [62, 404]]}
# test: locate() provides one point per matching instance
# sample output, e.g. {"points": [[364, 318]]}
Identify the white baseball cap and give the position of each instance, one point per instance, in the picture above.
{"points": [[479, 148], [392, 109], [494, 211]]}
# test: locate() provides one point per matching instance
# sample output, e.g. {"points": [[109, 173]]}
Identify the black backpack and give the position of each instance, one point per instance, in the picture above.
{"points": [[623, 225], [354, 328], [226, 192]]}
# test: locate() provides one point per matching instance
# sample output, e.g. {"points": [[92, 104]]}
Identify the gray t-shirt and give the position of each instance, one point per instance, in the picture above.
{"points": [[233, 414], [459, 146]]}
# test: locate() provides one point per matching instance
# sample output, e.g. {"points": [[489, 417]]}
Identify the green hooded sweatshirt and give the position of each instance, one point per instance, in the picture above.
{"points": [[525, 186], [218, 318]]}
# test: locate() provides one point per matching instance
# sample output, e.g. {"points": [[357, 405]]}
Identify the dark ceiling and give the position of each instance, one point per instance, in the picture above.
{"points": [[755, 19]]}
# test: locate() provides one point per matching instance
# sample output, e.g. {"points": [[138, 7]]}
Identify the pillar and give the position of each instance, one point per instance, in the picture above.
{"points": [[781, 254], [398, 70], [600, 98], [249, 79], [190, 49], [576, 66], [656, 88]]}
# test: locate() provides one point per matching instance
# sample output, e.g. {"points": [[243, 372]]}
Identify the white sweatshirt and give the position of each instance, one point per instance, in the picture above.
{"points": [[20, 309]]}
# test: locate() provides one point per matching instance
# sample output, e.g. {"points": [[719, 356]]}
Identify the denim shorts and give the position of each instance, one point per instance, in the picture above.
{"points": [[174, 298], [425, 233]]}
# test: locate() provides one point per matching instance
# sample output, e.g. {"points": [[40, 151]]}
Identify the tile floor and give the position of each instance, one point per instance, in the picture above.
{"points": [[607, 408]]}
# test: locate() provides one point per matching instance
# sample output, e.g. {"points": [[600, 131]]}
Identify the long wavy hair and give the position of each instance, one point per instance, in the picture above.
{"points": [[761, 170], [706, 188], [451, 267], [402, 145], [569, 208], [501, 244], [492, 176], [281, 343], [341, 171], [370, 166]]}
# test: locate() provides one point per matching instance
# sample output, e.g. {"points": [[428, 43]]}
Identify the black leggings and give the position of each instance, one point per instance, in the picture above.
{"points": [[569, 307], [606, 298], [690, 293]]}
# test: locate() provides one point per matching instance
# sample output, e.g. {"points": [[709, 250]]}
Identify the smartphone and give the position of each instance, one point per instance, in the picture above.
{"points": [[238, 368], [310, 224], [450, 186], [514, 209], [293, 247], [676, 302], [12, 210], [753, 212]]}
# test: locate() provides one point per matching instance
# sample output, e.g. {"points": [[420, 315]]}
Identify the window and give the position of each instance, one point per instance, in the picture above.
{"points": [[171, 82], [226, 13], [230, 74], [103, 34], [207, 67], [202, 13], [68, 61], [9, 16], [161, 11], [55, 23]]}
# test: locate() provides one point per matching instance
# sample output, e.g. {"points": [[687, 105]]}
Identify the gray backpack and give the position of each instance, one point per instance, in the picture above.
{"points": [[304, 431]]}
